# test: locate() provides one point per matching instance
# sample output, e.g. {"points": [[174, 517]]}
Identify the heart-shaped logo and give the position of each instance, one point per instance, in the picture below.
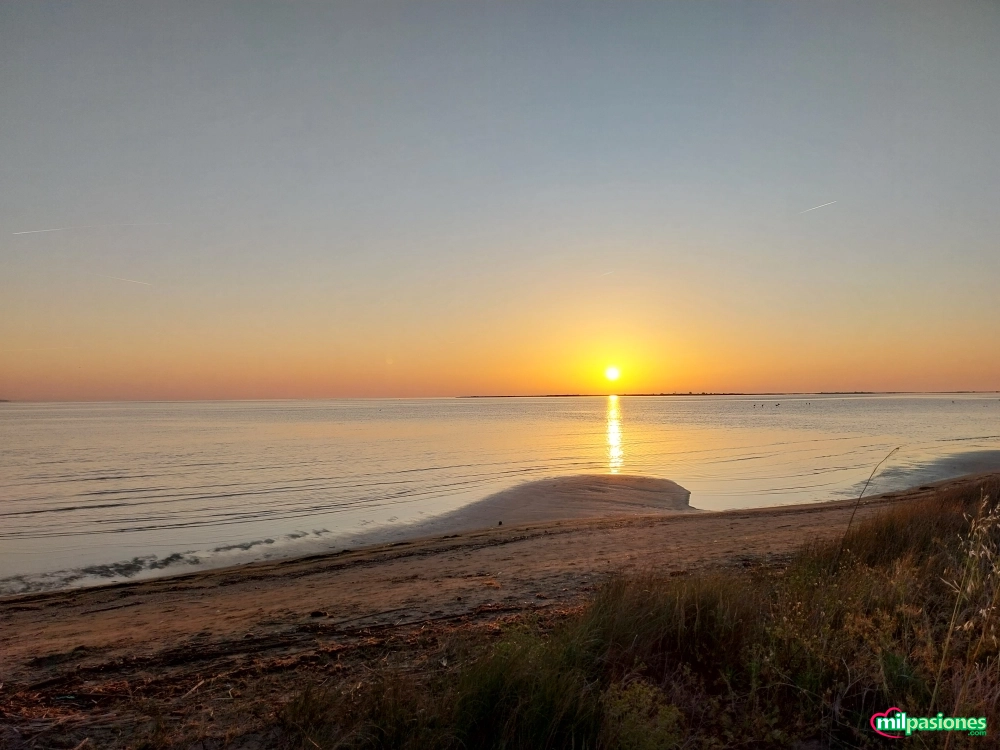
{"points": [[886, 714]]}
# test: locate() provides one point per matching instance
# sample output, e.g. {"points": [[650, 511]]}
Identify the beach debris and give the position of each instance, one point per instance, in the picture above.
{"points": [[318, 613], [192, 689], [500, 524]]}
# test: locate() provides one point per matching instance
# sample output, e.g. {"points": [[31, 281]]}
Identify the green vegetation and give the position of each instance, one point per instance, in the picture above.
{"points": [[904, 615]]}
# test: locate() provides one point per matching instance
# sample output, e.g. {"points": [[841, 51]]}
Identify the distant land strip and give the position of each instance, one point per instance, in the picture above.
{"points": [[736, 393], [554, 395]]}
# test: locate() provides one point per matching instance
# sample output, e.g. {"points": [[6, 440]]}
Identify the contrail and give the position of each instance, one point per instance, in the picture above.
{"points": [[39, 231], [89, 226], [119, 278], [815, 207]]}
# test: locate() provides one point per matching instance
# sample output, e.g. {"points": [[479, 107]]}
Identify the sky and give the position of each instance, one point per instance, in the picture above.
{"points": [[434, 199]]}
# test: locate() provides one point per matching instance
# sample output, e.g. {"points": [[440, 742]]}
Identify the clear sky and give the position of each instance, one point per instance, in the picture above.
{"points": [[424, 198]]}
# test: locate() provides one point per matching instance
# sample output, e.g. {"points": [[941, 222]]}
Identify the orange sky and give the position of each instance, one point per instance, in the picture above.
{"points": [[551, 341]]}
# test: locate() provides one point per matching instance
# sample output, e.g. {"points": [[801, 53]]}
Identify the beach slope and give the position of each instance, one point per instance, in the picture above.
{"points": [[559, 499], [187, 641]]}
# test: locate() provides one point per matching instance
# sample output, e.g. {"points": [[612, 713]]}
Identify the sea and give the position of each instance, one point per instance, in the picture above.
{"points": [[94, 493]]}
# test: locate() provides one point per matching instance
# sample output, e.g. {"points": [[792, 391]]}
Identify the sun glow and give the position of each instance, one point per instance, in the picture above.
{"points": [[612, 373]]}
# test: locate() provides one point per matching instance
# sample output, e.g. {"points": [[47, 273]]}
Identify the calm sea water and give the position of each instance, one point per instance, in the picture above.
{"points": [[93, 493]]}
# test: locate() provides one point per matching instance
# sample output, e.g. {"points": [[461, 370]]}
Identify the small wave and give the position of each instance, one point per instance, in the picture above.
{"points": [[120, 570], [94, 574], [303, 534], [244, 545]]}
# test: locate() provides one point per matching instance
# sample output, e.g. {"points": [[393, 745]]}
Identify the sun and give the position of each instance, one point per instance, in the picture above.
{"points": [[612, 373]]}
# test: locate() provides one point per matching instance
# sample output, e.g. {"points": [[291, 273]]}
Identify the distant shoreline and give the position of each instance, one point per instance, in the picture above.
{"points": [[738, 393], [503, 395]]}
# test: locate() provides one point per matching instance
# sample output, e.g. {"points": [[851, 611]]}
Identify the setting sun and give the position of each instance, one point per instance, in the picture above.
{"points": [[612, 373]]}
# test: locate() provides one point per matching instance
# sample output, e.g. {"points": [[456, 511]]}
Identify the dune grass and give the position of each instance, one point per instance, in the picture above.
{"points": [[901, 612]]}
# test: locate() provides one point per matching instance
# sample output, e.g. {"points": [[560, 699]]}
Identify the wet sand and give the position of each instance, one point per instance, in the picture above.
{"points": [[166, 635]]}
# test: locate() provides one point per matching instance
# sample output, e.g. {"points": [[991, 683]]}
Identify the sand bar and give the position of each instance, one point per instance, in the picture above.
{"points": [[555, 499]]}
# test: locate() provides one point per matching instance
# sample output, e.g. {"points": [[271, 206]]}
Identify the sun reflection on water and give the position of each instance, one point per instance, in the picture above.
{"points": [[616, 454]]}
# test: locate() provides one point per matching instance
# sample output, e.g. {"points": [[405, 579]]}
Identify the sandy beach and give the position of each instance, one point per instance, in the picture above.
{"points": [[81, 657]]}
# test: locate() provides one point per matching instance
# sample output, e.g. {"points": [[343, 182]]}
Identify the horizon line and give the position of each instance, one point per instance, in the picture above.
{"points": [[500, 395]]}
